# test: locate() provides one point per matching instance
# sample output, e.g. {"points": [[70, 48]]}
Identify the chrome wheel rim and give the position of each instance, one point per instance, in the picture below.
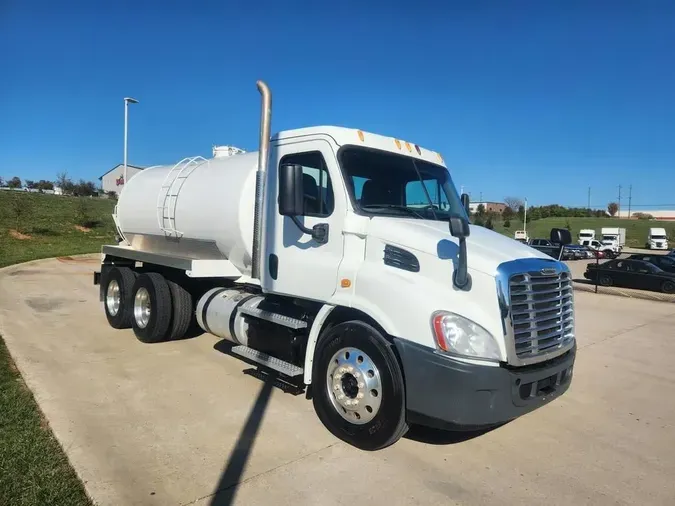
{"points": [[354, 385], [142, 307], [113, 297]]}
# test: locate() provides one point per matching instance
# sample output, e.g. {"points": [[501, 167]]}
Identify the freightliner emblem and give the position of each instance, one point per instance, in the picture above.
{"points": [[548, 271]]}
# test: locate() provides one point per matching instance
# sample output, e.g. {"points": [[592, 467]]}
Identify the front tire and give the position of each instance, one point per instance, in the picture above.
{"points": [[152, 308], [118, 299], [358, 393]]}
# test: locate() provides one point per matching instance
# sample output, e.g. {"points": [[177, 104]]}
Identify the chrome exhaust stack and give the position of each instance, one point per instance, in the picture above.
{"points": [[257, 259]]}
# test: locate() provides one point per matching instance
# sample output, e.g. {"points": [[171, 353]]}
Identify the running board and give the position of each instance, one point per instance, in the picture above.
{"points": [[279, 319], [268, 361]]}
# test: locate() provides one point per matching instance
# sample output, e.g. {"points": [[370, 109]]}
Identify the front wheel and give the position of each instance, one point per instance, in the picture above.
{"points": [[358, 390]]}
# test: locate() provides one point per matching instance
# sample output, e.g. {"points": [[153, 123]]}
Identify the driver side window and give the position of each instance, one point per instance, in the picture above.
{"points": [[318, 199]]}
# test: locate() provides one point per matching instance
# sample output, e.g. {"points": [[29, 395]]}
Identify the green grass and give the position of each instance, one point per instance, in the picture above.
{"points": [[636, 230], [50, 221], [34, 469]]}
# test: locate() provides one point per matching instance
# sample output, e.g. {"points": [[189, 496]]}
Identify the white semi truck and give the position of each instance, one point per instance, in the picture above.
{"points": [[614, 238], [657, 239], [315, 259], [586, 234]]}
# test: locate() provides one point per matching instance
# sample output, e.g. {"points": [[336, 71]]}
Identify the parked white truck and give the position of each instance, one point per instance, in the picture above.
{"points": [[314, 258], [657, 239], [614, 238], [586, 234]]}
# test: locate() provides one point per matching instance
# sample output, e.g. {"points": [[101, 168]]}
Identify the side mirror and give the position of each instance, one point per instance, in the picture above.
{"points": [[459, 227], [290, 190], [465, 202], [561, 236]]}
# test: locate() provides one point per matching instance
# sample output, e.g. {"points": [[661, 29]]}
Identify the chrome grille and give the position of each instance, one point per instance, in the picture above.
{"points": [[542, 312]]}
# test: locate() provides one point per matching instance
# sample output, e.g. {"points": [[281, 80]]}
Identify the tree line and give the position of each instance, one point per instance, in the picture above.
{"points": [[80, 188], [515, 209]]}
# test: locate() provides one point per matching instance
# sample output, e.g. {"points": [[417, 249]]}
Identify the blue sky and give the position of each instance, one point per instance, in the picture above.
{"points": [[537, 99]]}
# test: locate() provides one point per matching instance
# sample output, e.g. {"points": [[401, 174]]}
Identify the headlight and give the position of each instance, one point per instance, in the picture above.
{"points": [[458, 335]]}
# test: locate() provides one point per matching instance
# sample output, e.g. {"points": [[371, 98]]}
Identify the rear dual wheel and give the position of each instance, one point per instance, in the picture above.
{"points": [[157, 309], [162, 309], [118, 299]]}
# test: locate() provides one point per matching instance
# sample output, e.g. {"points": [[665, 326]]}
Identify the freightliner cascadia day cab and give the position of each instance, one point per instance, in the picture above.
{"points": [[343, 262]]}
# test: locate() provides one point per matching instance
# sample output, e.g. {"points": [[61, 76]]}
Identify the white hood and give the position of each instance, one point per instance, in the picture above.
{"points": [[486, 249]]}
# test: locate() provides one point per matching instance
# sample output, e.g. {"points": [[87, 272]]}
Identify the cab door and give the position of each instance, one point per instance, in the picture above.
{"points": [[297, 264]]}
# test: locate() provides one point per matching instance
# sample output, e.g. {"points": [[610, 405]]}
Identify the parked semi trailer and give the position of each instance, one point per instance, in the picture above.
{"points": [[343, 262]]}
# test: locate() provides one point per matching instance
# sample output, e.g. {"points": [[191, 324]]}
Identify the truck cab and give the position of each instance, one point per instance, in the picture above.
{"points": [[586, 234], [657, 239]]}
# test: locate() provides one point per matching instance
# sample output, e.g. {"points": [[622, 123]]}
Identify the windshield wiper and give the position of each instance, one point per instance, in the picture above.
{"points": [[393, 206]]}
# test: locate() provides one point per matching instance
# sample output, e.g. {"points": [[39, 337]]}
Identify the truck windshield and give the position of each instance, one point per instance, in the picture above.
{"points": [[383, 183], [608, 238], [658, 237]]}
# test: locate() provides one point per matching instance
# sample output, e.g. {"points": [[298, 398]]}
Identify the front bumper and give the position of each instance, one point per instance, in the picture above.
{"points": [[445, 393]]}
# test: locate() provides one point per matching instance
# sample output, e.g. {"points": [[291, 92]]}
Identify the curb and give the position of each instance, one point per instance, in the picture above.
{"points": [[62, 258], [619, 292]]}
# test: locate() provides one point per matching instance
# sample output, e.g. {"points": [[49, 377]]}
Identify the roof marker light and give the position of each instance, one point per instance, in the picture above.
{"points": [[439, 157], [398, 143], [407, 145], [360, 135], [419, 151]]}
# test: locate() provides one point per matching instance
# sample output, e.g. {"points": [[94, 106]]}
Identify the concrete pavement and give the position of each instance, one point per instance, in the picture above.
{"points": [[180, 423]]}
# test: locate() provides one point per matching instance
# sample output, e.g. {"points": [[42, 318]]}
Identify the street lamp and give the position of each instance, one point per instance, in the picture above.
{"points": [[525, 218], [127, 101]]}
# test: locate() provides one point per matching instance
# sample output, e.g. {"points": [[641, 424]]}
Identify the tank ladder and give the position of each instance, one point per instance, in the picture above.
{"points": [[167, 198]]}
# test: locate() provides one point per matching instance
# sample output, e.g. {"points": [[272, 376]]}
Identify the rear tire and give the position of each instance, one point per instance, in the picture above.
{"points": [[181, 317], [151, 308], [668, 287], [118, 298], [605, 280], [370, 415]]}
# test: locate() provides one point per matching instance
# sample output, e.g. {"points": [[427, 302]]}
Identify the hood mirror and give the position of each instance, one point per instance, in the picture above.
{"points": [[561, 236]]}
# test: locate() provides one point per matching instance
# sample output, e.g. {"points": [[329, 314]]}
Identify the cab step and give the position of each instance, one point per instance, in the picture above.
{"points": [[268, 361], [279, 319]]}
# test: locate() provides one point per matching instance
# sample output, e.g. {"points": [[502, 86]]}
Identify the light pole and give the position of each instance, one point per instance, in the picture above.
{"points": [[127, 101], [525, 218]]}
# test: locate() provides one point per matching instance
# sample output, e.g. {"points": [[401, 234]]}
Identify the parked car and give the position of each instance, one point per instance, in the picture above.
{"points": [[664, 262], [631, 273], [550, 248], [577, 252]]}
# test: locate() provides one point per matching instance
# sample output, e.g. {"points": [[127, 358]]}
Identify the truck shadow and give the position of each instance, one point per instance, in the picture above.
{"points": [[438, 437], [228, 484]]}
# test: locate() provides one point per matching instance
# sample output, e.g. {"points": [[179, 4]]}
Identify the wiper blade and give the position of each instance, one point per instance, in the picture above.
{"points": [[393, 206]]}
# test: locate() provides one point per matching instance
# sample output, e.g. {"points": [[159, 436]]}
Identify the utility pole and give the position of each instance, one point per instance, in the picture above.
{"points": [[589, 200], [630, 197], [481, 198], [619, 210]]}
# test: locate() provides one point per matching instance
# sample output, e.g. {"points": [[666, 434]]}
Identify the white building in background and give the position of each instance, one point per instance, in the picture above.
{"points": [[113, 180]]}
